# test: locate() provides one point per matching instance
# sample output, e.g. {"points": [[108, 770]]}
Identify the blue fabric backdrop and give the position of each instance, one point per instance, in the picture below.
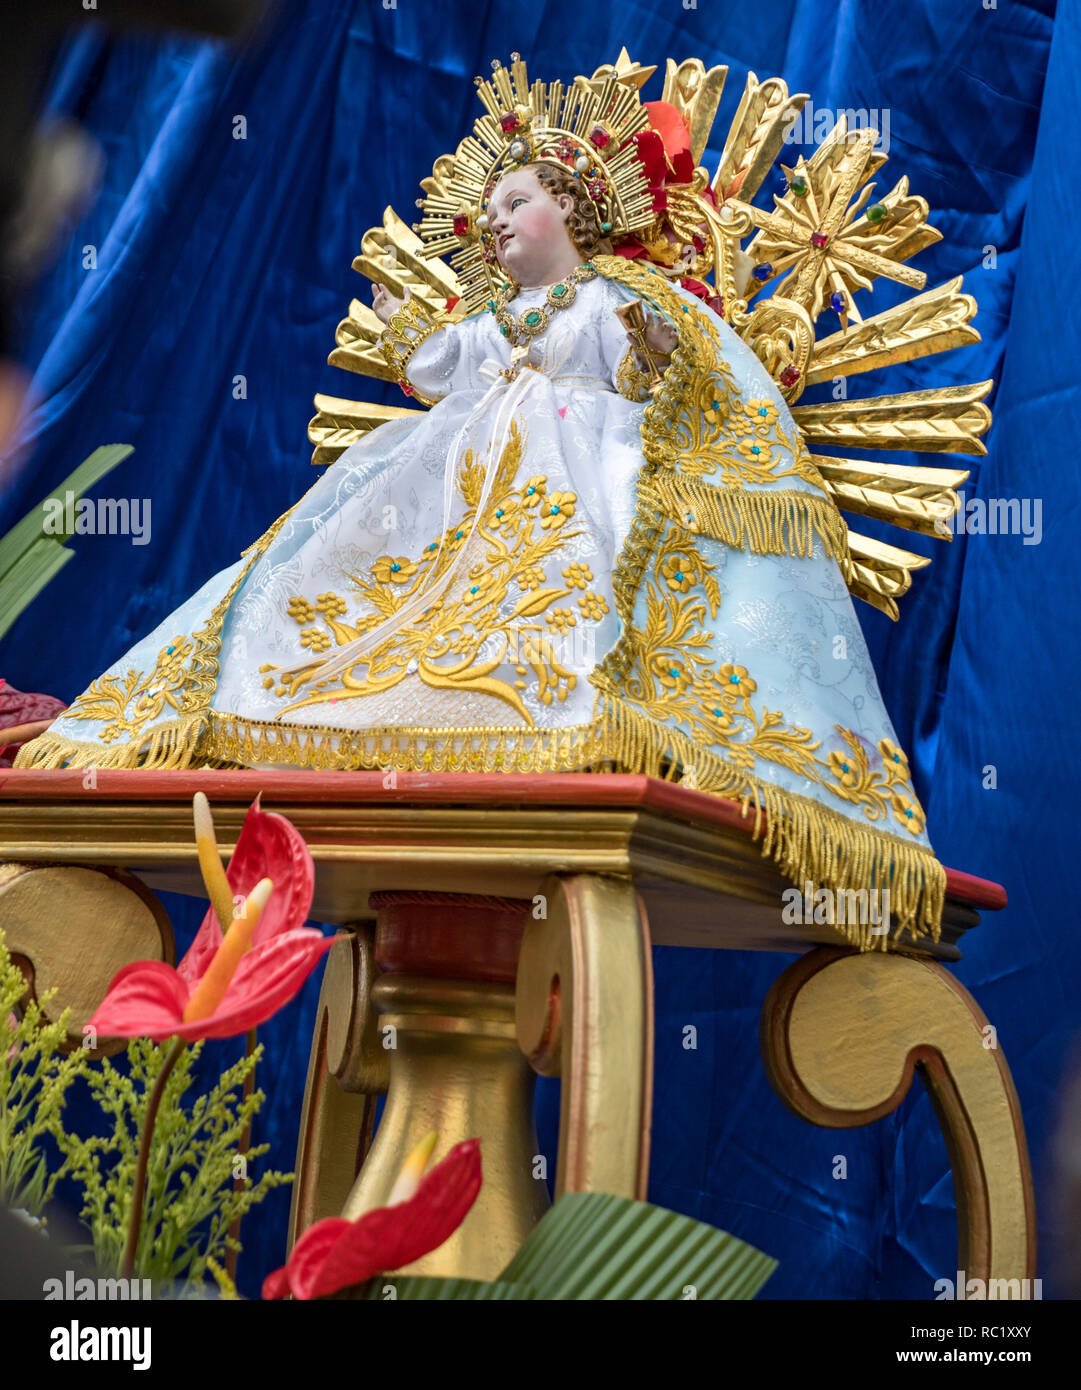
{"points": [[218, 257]]}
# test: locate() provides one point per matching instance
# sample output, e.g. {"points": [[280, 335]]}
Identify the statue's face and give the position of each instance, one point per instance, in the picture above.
{"points": [[529, 227]]}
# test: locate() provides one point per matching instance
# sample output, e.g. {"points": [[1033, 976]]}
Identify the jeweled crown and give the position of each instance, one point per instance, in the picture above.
{"points": [[586, 127]]}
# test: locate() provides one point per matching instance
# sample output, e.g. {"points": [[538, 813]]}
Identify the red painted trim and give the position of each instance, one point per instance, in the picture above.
{"points": [[424, 788]]}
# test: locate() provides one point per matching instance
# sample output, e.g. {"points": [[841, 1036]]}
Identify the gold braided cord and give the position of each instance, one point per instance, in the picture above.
{"points": [[409, 326]]}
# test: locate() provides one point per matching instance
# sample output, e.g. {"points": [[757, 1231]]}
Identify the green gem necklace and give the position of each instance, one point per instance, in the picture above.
{"points": [[530, 324]]}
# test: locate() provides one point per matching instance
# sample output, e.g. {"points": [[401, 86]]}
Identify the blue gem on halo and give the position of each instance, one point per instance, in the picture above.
{"points": [[763, 271], [837, 301]]}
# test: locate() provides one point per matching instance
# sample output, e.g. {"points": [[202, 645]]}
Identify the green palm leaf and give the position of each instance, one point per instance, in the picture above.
{"points": [[592, 1245], [28, 556]]}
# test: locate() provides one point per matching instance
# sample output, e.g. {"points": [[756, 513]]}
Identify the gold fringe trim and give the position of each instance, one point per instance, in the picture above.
{"points": [[404, 748], [167, 747], [807, 840], [784, 522]]}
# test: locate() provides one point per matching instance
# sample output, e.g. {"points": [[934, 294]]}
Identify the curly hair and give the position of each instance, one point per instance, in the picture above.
{"points": [[583, 225]]}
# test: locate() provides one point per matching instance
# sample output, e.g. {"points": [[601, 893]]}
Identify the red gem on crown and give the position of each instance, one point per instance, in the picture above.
{"points": [[819, 239], [600, 137], [409, 390], [461, 223], [790, 376], [508, 122]]}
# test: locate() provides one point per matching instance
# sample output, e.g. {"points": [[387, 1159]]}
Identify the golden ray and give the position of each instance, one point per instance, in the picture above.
{"points": [[918, 327], [341, 423], [947, 420], [919, 499]]}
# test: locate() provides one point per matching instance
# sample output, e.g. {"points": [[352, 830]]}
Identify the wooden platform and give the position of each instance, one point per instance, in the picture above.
{"points": [[446, 832]]}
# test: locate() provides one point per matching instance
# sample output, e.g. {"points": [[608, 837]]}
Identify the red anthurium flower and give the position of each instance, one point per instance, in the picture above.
{"points": [[335, 1254], [228, 983]]}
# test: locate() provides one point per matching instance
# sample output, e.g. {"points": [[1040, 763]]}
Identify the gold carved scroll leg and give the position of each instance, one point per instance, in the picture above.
{"points": [[842, 1034], [70, 929], [585, 1013], [346, 1071]]}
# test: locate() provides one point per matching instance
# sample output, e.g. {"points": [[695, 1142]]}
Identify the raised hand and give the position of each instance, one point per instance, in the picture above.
{"points": [[384, 303]]}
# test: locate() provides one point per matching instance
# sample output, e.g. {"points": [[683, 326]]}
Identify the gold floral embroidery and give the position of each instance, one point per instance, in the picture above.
{"points": [[577, 576], [895, 760], [841, 766], [876, 792], [301, 610], [109, 697], [393, 569], [670, 667], [559, 508], [593, 605], [561, 619], [760, 409], [908, 812], [695, 421], [680, 572], [522, 528]]}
